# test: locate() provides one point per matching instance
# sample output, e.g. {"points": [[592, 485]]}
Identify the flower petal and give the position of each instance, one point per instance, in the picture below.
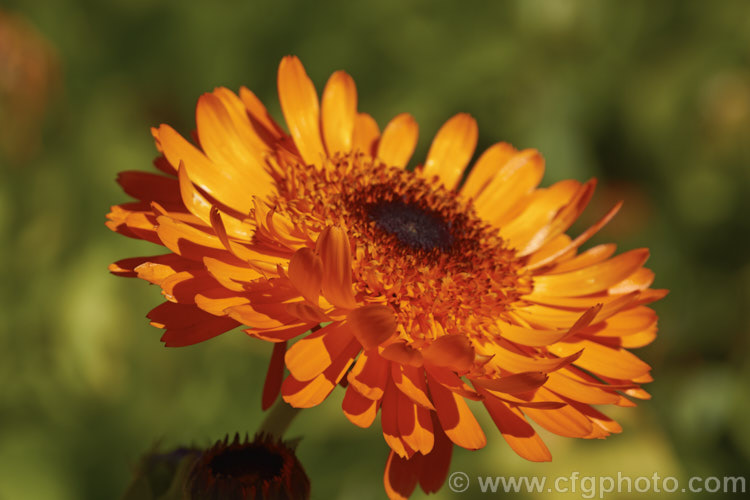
{"points": [[339, 109], [306, 273], [398, 141], [412, 382], [450, 351], [187, 325], [311, 393], [436, 464], [229, 183], [484, 170], [401, 476], [372, 324], [415, 425], [564, 421], [299, 103], [333, 248], [604, 360], [369, 375], [511, 184], [518, 382], [274, 376], [366, 134], [455, 417], [451, 150], [389, 421], [592, 279], [517, 432], [310, 356], [360, 411]]}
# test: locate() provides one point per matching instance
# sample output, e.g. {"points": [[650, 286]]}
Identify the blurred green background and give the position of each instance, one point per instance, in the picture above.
{"points": [[652, 98]]}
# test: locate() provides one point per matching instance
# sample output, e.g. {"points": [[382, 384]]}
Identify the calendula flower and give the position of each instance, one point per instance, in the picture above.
{"points": [[263, 469], [419, 288]]}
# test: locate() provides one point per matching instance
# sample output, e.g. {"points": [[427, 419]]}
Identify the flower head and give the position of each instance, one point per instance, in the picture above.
{"points": [[430, 289], [264, 469]]}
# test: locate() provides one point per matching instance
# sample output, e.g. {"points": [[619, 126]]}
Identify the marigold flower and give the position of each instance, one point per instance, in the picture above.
{"points": [[429, 290]]}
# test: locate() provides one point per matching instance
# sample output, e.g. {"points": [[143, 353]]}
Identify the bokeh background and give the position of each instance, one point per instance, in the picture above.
{"points": [[652, 98]]}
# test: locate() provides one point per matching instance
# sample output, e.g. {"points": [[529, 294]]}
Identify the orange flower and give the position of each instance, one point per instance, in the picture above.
{"points": [[432, 291]]}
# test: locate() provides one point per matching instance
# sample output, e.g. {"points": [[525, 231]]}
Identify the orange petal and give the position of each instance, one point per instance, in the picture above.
{"points": [[259, 116], [150, 187], [306, 394], [516, 363], [398, 141], [360, 410], [258, 315], [246, 129], [593, 255], [299, 103], [517, 432], [274, 376], [333, 248], [310, 356], [600, 359], [511, 184], [562, 220], [411, 381], [518, 382], [369, 375], [535, 262], [280, 333], [400, 352], [401, 476], [455, 417], [598, 418], [450, 351], [639, 339], [191, 197], [153, 269], [231, 184], [184, 286], [565, 421], [306, 273], [532, 228], [436, 464], [639, 280], [230, 276], [591, 279], [448, 378], [415, 425], [372, 324], [187, 325], [339, 108], [577, 391], [217, 300], [366, 134], [451, 150], [311, 393], [389, 418], [306, 312], [486, 167], [627, 322], [219, 138]]}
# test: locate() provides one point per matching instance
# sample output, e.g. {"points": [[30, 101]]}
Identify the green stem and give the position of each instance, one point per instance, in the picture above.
{"points": [[278, 419]]}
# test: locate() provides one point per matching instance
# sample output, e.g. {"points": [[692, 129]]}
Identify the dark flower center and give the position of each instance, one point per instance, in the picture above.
{"points": [[412, 225], [250, 461]]}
